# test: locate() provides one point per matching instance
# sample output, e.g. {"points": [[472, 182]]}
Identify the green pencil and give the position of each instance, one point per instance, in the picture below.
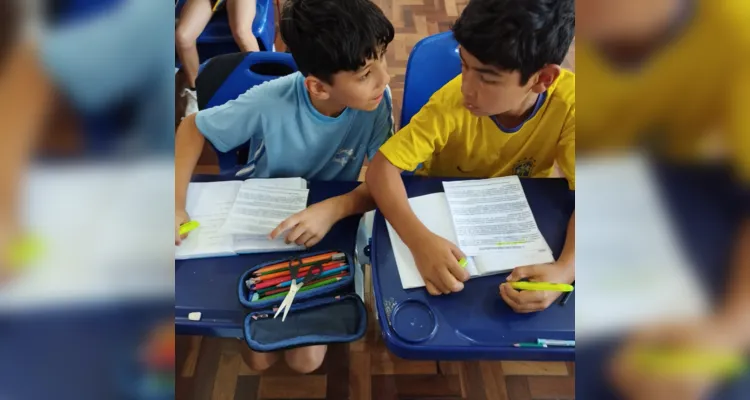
{"points": [[304, 288]]}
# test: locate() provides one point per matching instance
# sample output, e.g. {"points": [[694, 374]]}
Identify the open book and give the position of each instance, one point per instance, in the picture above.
{"points": [[236, 216], [495, 228]]}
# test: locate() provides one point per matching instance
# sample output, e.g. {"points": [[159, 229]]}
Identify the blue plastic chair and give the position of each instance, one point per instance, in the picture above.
{"points": [[71, 11], [217, 38], [433, 62], [242, 78]]}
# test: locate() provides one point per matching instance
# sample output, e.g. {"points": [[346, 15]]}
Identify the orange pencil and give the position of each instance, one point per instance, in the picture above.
{"points": [[302, 271], [333, 256]]}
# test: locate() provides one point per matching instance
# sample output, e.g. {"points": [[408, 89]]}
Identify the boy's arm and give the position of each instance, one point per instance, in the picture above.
{"points": [[319, 218], [436, 258], [226, 127], [189, 142]]}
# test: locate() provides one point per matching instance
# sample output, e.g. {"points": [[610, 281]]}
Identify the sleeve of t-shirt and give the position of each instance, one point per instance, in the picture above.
{"points": [[566, 149], [426, 133], [235, 122], [739, 134], [383, 128]]}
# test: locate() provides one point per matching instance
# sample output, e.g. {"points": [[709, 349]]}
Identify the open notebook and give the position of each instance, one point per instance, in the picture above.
{"points": [[434, 210], [236, 216]]}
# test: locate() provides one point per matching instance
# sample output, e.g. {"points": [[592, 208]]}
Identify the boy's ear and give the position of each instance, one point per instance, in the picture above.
{"points": [[317, 88], [546, 77]]}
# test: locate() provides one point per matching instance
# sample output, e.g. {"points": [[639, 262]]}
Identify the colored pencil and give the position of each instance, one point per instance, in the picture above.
{"points": [[288, 282], [286, 288], [284, 275], [287, 272], [263, 281], [305, 261], [304, 289]]}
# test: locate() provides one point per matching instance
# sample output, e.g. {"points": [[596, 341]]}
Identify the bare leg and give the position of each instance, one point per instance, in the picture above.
{"points": [[305, 359], [258, 361], [241, 16], [193, 20]]}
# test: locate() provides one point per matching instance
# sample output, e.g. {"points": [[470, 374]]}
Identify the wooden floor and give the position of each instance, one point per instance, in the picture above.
{"points": [[211, 368]]}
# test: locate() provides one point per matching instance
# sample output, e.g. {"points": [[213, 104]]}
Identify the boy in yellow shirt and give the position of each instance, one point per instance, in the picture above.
{"points": [[511, 111]]}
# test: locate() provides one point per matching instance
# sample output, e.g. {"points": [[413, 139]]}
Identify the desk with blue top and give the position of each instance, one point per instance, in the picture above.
{"points": [[209, 285], [474, 323]]}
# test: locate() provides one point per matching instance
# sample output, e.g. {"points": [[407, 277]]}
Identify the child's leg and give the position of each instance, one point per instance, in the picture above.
{"points": [[305, 359], [258, 361], [241, 16], [193, 20]]}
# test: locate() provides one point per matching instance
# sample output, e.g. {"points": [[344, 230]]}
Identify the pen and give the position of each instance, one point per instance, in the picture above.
{"points": [[188, 226], [554, 342], [566, 296], [554, 287], [537, 345]]}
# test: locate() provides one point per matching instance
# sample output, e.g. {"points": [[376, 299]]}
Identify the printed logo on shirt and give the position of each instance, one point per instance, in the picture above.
{"points": [[343, 156], [524, 167]]}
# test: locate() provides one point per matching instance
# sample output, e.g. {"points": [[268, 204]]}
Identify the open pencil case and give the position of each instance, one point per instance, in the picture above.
{"points": [[333, 313]]}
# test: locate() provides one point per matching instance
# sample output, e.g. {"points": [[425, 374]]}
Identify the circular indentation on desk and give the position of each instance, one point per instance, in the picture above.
{"points": [[413, 321]]}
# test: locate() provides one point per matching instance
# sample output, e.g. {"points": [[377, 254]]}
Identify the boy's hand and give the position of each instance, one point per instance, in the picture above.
{"points": [[702, 340], [527, 301], [437, 262], [309, 226], [180, 217]]}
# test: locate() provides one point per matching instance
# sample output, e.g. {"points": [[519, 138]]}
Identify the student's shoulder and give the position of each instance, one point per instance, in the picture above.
{"points": [[563, 92], [279, 92]]}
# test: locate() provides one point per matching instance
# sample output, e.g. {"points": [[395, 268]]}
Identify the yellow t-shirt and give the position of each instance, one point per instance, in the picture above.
{"points": [[451, 142], [685, 102]]}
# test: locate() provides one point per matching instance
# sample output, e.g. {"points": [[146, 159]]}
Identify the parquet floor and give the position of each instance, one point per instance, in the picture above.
{"points": [[211, 368]]}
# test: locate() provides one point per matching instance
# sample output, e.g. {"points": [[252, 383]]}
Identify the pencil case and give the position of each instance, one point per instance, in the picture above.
{"points": [[333, 313]]}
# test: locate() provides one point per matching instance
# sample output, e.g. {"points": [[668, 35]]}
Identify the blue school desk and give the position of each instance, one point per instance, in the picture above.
{"points": [[706, 209], [209, 285], [81, 352], [474, 323]]}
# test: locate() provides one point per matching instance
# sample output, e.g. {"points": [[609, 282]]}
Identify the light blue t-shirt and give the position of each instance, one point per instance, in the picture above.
{"points": [[290, 138]]}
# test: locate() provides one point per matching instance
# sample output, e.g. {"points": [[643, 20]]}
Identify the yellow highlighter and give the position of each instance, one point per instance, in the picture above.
{"points": [[188, 226], [689, 363], [25, 250], [463, 262], [553, 287]]}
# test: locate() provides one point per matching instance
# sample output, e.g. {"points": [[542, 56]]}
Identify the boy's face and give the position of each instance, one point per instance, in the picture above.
{"points": [[362, 89], [488, 90]]}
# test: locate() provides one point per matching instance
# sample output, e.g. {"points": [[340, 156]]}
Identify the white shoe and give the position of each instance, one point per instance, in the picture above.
{"points": [[192, 101]]}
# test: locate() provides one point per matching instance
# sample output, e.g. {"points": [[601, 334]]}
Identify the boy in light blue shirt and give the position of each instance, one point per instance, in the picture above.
{"points": [[317, 124]]}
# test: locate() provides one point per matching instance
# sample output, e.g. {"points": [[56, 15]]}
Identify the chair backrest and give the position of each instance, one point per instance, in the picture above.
{"points": [[252, 70], [433, 62]]}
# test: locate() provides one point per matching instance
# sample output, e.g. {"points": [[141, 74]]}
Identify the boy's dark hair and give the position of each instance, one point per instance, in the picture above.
{"points": [[9, 26], [517, 35], [329, 36]]}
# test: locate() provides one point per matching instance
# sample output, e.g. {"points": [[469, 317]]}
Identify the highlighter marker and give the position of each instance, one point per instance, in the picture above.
{"points": [[463, 262], [188, 226], [554, 287]]}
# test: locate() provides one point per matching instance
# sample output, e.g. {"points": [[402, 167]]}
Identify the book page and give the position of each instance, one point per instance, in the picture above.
{"points": [[259, 210], [433, 211], [208, 203], [245, 244], [493, 216], [628, 253]]}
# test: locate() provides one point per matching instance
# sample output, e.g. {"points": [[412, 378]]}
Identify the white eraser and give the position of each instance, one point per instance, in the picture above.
{"points": [[194, 316]]}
